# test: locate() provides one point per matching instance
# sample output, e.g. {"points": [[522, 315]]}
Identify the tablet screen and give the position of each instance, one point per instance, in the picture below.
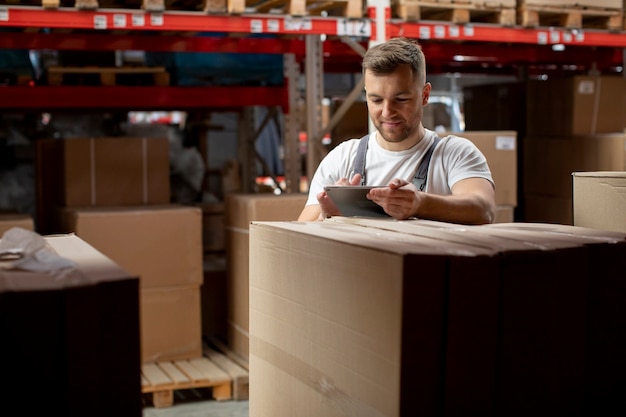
{"points": [[351, 201]]}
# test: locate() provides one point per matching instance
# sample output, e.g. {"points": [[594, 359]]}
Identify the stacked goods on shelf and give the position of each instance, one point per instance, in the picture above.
{"points": [[380, 317], [573, 124], [501, 12], [240, 211], [71, 342], [575, 14]]}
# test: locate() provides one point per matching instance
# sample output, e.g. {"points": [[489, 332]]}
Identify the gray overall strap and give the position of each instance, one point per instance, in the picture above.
{"points": [[422, 171], [359, 161]]}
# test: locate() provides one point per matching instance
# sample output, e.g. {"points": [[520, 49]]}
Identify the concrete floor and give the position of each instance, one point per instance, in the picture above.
{"points": [[202, 408]]}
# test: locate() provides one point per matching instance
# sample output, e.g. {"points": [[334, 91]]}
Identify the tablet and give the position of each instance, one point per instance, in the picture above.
{"points": [[351, 201]]}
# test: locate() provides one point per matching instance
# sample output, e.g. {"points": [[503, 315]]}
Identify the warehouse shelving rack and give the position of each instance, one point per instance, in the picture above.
{"points": [[299, 38]]}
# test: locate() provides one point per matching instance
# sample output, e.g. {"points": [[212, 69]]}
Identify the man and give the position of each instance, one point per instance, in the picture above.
{"points": [[459, 186]]}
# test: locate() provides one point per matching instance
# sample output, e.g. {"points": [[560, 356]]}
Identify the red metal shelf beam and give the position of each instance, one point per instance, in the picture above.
{"points": [[46, 98]]}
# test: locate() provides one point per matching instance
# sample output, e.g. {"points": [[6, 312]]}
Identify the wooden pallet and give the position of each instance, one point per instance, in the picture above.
{"points": [[455, 12], [346, 8], [107, 76], [162, 379], [571, 17]]}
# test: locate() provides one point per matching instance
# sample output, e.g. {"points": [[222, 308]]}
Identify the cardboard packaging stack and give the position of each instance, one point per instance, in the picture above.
{"points": [[10, 220], [241, 210], [376, 317], [162, 245], [71, 342], [573, 124]]}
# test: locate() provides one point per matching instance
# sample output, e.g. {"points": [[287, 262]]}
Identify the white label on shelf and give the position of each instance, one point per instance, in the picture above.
{"points": [[579, 36], [256, 26], [440, 31], [424, 32], [273, 25], [555, 36], [586, 87], [454, 31], [542, 38], [138, 19], [296, 23], [4, 14], [353, 27], [505, 143], [156, 19], [468, 30], [99, 22], [567, 37], [119, 20]]}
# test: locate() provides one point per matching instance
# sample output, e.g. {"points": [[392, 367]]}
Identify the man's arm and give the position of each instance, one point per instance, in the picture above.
{"points": [[472, 202]]}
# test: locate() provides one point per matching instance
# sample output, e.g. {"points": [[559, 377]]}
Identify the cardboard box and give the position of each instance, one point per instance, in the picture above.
{"points": [[504, 214], [75, 341], [600, 200], [240, 210], [171, 326], [100, 172], [579, 105], [160, 244], [550, 161], [11, 220], [380, 317], [500, 149]]}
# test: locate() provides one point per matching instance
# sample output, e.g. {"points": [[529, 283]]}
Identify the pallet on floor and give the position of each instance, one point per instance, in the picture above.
{"points": [[162, 379], [531, 15], [455, 12], [238, 375], [108, 76]]}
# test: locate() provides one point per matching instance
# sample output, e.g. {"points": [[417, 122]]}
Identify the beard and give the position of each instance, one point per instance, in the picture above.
{"points": [[396, 135]]}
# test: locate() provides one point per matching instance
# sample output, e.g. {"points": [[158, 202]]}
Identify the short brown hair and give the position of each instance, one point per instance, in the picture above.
{"points": [[384, 58]]}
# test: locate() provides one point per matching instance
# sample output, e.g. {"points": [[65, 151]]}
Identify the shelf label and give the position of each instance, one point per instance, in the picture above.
{"points": [[273, 25], [440, 32], [424, 32], [354, 27], [468, 30], [555, 36], [99, 22], [156, 19], [298, 24], [542, 38], [4, 14], [138, 19], [119, 20], [454, 31], [256, 26]]}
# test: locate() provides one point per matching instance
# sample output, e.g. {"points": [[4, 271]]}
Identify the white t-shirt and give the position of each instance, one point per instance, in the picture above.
{"points": [[454, 159]]}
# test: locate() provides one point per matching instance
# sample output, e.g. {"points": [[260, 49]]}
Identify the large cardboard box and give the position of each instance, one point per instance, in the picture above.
{"points": [[240, 211], [171, 326], [500, 149], [10, 220], [160, 244], [579, 105], [99, 172], [379, 317], [600, 200], [74, 341]]}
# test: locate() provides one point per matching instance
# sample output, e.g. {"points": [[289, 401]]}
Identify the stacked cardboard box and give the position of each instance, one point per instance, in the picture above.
{"points": [[241, 210], [381, 317], [71, 345], [10, 220], [600, 200], [573, 124], [162, 245]]}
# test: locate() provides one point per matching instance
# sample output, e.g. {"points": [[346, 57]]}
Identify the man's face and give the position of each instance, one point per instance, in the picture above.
{"points": [[395, 103]]}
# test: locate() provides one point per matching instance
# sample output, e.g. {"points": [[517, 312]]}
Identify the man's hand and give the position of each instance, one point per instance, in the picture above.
{"points": [[327, 207], [399, 199]]}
